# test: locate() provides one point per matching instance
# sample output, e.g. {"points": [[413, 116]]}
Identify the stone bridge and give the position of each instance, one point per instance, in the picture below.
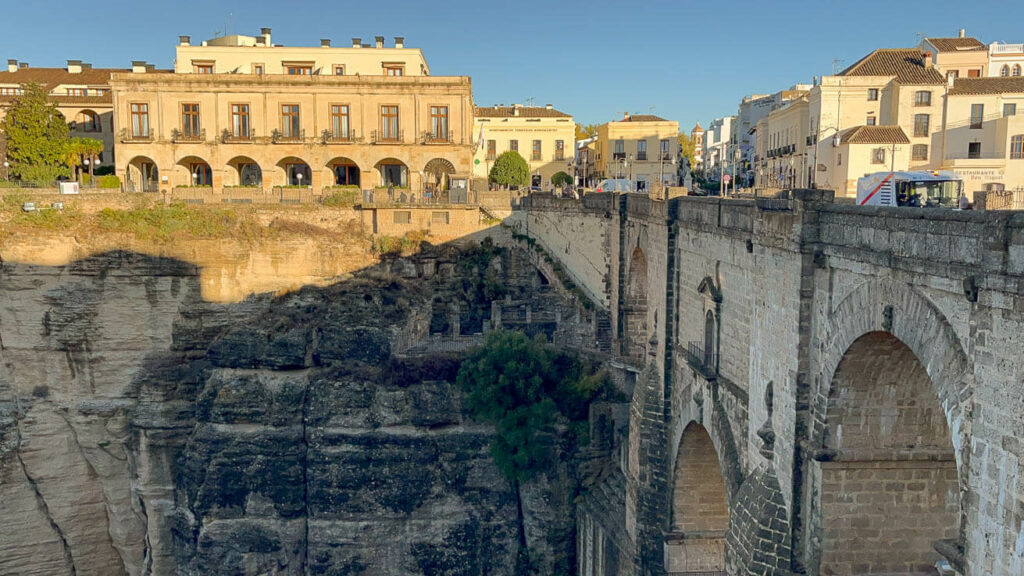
{"points": [[816, 388]]}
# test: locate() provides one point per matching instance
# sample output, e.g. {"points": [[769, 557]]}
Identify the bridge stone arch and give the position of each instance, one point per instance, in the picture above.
{"points": [[889, 444]]}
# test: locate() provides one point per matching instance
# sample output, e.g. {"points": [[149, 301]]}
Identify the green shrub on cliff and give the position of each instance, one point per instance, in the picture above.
{"points": [[524, 387]]}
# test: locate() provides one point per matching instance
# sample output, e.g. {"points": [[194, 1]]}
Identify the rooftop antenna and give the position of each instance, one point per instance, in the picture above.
{"points": [[529, 101], [920, 36], [835, 65], [650, 109], [231, 23]]}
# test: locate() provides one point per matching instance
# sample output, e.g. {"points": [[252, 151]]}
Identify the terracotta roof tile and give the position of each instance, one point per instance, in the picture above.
{"points": [[51, 77], [642, 118], [524, 112], [999, 85], [956, 44], [906, 64], [874, 135]]}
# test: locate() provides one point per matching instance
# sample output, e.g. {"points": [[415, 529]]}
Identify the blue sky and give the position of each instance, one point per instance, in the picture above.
{"points": [[689, 60]]}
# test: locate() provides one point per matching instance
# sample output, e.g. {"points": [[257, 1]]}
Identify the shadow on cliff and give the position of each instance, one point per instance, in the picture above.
{"points": [[145, 430]]}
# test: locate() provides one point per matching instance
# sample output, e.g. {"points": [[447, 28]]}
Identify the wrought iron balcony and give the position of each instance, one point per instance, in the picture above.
{"points": [[184, 137], [137, 135], [431, 137], [618, 156], [702, 360], [332, 137], [278, 137], [229, 137], [387, 137]]}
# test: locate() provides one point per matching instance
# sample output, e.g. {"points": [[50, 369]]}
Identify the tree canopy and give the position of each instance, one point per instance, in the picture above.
{"points": [[584, 131], [37, 137], [687, 148], [560, 179], [523, 386], [510, 169]]}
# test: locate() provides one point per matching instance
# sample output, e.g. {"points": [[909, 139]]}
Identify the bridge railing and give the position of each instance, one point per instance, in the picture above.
{"points": [[702, 360]]}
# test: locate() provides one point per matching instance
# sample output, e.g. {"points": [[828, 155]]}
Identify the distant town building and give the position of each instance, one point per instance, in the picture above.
{"points": [[543, 136], [641, 147], [242, 111], [959, 57], [983, 139], [717, 145], [1005, 60], [697, 139], [80, 92]]}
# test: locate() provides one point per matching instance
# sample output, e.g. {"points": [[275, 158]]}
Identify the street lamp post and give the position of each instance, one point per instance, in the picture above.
{"points": [[88, 165], [737, 154], [7, 167]]}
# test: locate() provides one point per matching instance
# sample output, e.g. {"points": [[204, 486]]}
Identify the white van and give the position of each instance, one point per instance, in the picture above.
{"points": [[615, 185], [920, 188]]}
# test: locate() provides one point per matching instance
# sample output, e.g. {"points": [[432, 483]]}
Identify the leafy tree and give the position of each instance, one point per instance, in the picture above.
{"points": [[585, 131], [521, 386], [80, 149], [686, 147], [559, 179], [510, 169], [37, 136]]}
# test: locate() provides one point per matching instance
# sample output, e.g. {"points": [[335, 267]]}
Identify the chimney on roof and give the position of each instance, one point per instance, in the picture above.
{"points": [[357, 42], [927, 59], [265, 32], [12, 65], [548, 107], [23, 65], [515, 109], [963, 33], [325, 42], [625, 116], [86, 66], [184, 40], [138, 66], [379, 40], [150, 67], [74, 66], [399, 42]]}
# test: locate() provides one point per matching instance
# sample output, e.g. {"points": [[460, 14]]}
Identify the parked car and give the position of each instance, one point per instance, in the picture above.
{"points": [[615, 185]]}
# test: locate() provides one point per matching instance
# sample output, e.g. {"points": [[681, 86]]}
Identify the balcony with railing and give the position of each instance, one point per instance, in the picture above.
{"points": [[241, 137], [290, 137], [435, 137], [1000, 48], [618, 156], [143, 135], [387, 137], [702, 360], [641, 156], [332, 137], [189, 136]]}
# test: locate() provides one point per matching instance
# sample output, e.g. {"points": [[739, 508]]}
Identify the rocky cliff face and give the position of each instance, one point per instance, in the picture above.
{"points": [[144, 430]]}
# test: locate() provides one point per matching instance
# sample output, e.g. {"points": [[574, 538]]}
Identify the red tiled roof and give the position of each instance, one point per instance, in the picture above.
{"points": [[956, 44], [524, 112], [906, 64], [874, 135], [998, 85], [51, 77], [642, 118]]}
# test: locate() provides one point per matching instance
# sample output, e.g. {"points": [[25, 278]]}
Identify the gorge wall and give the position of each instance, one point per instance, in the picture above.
{"points": [[152, 421]]}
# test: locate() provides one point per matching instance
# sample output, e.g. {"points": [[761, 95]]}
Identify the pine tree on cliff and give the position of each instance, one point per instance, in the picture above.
{"points": [[37, 137], [510, 169]]}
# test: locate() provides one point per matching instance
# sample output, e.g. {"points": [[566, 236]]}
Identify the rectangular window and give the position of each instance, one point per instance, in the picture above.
{"points": [[536, 150], [203, 68], [339, 70], [974, 150], [76, 91], [872, 94], [977, 116], [1009, 109], [298, 70], [439, 123], [439, 217], [393, 70], [922, 98], [140, 120], [954, 74], [919, 152], [290, 126], [559, 149], [240, 120], [513, 145], [1017, 147], [839, 162], [665, 150], [190, 120], [620, 150], [641, 149], [258, 70], [974, 73], [492, 149], [402, 216], [389, 123], [10, 91], [871, 121], [921, 122], [878, 156], [339, 121]]}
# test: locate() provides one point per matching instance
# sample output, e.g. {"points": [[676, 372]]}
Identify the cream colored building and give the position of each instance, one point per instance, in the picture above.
{"points": [[1005, 60], [81, 93], [641, 147], [543, 136], [888, 87], [782, 149], [239, 110], [984, 136], [959, 57]]}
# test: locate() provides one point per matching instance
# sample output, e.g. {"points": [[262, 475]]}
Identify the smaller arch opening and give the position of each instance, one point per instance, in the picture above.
{"points": [[344, 171], [199, 171], [700, 507], [296, 171], [393, 172]]}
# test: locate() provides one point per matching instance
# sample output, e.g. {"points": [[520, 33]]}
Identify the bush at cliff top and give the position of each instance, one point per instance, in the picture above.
{"points": [[108, 181], [510, 169], [164, 222], [559, 179], [522, 386]]}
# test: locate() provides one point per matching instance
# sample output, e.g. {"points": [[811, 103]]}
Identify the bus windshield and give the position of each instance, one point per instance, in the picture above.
{"points": [[944, 193]]}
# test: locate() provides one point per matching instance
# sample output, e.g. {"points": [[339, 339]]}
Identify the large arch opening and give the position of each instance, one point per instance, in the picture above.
{"points": [[345, 172], [197, 171], [700, 508], [142, 175], [438, 173], [393, 173], [634, 329], [891, 489], [246, 172], [296, 171]]}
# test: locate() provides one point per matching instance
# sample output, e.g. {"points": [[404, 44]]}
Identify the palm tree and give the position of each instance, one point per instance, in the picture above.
{"points": [[81, 149]]}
